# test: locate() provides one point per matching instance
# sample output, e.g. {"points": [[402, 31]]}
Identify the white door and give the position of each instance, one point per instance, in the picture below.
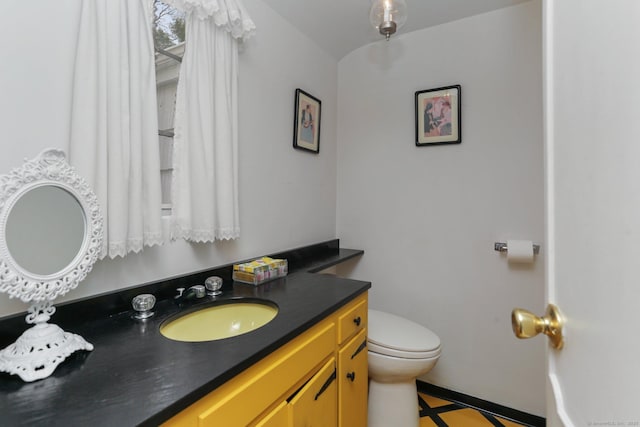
{"points": [[592, 143]]}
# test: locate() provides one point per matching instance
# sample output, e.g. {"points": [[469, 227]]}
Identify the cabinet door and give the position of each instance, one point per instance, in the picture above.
{"points": [[353, 382], [279, 417], [316, 404]]}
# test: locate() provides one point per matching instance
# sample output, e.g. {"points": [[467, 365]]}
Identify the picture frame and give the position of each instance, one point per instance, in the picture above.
{"points": [[306, 124], [438, 116]]}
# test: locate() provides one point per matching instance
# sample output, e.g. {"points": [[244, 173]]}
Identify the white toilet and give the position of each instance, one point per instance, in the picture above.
{"points": [[399, 351]]}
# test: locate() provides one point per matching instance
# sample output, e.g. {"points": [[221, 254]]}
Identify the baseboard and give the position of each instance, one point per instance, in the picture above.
{"points": [[483, 405]]}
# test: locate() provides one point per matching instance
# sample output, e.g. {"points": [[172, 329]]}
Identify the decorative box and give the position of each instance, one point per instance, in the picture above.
{"points": [[260, 270]]}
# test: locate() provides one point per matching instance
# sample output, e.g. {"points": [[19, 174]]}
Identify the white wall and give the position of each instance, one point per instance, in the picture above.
{"points": [[287, 197], [427, 217]]}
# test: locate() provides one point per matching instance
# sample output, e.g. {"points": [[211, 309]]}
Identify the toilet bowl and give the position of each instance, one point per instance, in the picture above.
{"points": [[399, 350]]}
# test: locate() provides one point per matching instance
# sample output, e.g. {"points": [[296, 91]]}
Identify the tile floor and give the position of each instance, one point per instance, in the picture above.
{"points": [[443, 413]]}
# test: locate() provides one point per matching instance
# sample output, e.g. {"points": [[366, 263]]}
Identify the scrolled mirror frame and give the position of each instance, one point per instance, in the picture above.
{"points": [[41, 348], [49, 168]]}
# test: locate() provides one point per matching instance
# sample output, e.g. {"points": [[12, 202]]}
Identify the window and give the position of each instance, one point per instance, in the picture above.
{"points": [[168, 36]]}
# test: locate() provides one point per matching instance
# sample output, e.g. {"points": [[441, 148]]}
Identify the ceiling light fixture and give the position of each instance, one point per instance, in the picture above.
{"points": [[387, 16]]}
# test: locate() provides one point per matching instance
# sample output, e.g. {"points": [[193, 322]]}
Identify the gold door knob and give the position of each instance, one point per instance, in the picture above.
{"points": [[525, 324]]}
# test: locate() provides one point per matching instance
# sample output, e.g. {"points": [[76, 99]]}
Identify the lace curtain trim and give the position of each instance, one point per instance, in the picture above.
{"points": [[228, 14], [121, 248], [204, 236]]}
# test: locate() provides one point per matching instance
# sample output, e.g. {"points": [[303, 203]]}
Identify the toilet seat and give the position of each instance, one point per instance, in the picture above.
{"points": [[396, 336], [402, 354]]}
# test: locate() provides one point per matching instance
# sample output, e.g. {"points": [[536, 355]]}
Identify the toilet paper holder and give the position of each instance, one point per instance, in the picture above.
{"points": [[502, 247]]}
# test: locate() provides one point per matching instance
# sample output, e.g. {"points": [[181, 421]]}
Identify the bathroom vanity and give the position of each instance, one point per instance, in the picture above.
{"points": [[135, 376], [319, 378]]}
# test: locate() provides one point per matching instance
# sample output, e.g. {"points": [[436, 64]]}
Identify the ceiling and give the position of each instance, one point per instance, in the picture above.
{"points": [[340, 26]]}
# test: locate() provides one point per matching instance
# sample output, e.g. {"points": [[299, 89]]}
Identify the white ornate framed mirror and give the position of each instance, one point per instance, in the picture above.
{"points": [[51, 232]]}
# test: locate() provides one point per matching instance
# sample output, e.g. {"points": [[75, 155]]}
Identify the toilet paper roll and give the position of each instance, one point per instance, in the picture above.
{"points": [[520, 251]]}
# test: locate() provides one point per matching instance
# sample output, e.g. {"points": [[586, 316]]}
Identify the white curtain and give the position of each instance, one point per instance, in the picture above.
{"points": [[114, 128], [205, 162]]}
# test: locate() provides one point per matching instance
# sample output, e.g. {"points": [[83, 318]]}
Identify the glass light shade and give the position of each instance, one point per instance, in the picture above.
{"points": [[385, 12]]}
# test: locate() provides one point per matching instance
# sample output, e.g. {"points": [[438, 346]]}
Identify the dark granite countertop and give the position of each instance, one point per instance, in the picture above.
{"points": [[135, 376]]}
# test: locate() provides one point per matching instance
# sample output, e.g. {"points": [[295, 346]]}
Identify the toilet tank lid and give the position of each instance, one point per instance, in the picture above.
{"points": [[391, 331]]}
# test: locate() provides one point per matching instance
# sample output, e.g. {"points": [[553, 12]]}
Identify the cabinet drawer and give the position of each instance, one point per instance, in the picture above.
{"points": [[353, 382], [316, 404], [353, 319]]}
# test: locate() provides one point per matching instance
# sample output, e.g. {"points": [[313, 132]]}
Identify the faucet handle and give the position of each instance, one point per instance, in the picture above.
{"points": [[143, 304], [180, 292], [213, 285]]}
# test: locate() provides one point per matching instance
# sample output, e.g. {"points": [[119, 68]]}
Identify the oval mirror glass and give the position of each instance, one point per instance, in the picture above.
{"points": [[45, 230]]}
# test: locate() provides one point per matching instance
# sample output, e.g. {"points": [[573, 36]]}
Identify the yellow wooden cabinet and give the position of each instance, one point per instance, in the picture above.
{"points": [[353, 380], [318, 379], [353, 374], [279, 417], [316, 404]]}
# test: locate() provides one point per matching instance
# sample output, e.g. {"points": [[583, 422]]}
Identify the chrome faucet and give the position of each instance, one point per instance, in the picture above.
{"points": [[194, 292]]}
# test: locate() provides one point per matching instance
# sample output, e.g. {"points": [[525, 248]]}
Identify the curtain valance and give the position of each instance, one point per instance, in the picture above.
{"points": [[230, 15]]}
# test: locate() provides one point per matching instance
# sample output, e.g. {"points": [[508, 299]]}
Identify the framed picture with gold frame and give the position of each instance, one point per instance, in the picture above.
{"points": [[306, 125], [438, 116]]}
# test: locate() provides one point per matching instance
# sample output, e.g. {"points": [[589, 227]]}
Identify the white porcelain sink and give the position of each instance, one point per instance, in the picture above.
{"points": [[226, 320]]}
